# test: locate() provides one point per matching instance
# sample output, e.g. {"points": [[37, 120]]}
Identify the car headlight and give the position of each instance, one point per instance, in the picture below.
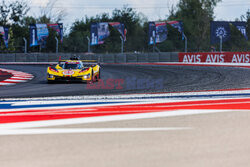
{"points": [[50, 76], [86, 76]]}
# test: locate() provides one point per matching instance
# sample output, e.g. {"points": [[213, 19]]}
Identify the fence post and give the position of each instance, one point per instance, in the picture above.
{"points": [[56, 44], [122, 44], [185, 42], [220, 43], [89, 50], [25, 45]]}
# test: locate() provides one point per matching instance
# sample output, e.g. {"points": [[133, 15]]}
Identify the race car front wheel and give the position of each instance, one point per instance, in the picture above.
{"points": [[92, 78]]}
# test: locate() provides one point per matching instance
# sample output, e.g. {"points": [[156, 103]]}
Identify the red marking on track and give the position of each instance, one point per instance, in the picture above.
{"points": [[14, 77], [5, 75], [66, 113]]}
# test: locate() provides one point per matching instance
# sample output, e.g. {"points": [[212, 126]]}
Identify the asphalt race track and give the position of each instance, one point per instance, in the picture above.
{"points": [[127, 126], [133, 79]]}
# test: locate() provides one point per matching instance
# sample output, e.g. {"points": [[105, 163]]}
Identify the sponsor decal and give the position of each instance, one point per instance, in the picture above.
{"points": [[68, 72], [213, 57]]}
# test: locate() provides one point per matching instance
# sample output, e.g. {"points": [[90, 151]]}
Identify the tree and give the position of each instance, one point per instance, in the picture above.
{"points": [[52, 14], [12, 15], [196, 16], [4, 13], [136, 36]]}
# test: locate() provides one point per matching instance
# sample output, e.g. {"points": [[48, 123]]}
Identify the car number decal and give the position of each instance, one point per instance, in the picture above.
{"points": [[68, 72]]}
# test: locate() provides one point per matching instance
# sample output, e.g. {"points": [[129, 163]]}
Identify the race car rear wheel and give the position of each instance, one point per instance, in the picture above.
{"points": [[50, 82], [99, 76]]}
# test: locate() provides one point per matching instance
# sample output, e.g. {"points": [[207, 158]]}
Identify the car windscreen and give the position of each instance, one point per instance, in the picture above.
{"points": [[72, 66]]}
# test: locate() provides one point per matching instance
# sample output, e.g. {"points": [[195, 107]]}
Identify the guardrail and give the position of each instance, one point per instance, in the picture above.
{"points": [[102, 58]]}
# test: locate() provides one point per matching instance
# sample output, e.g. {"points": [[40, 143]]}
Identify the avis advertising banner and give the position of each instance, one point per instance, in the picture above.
{"points": [[214, 57], [178, 25], [4, 31], [38, 34], [157, 31], [120, 28], [58, 28]]}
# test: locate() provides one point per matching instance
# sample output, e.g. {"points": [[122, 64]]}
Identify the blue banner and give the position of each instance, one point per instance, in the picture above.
{"points": [[157, 32], [103, 32], [58, 28], [6, 36], [178, 25], [33, 35], [241, 26], [4, 31], [219, 29], [42, 34], [119, 27], [94, 34], [99, 31], [38, 34], [151, 32]]}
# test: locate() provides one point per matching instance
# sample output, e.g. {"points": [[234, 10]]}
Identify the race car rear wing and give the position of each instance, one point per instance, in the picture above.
{"points": [[85, 62]]}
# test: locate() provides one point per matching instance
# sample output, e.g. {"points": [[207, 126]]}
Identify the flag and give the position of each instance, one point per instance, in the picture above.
{"points": [[38, 34], [151, 32], [94, 34], [33, 35], [157, 32], [42, 34], [241, 26], [219, 29], [103, 32], [178, 25], [4, 31], [120, 28], [99, 31]]}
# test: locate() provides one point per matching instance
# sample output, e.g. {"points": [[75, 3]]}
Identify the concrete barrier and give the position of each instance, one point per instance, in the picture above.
{"points": [[102, 58]]}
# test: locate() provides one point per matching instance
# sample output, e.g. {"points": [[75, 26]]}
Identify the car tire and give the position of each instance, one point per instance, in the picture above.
{"points": [[99, 77], [92, 80], [50, 82]]}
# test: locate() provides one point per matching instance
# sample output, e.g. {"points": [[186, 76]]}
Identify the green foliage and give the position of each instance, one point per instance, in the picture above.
{"points": [[195, 14]]}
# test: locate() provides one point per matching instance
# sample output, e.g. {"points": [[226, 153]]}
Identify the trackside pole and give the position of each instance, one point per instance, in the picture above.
{"points": [[185, 42], [89, 50], [56, 44], [154, 44], [220, 43], [122, 44], [25, 45]]}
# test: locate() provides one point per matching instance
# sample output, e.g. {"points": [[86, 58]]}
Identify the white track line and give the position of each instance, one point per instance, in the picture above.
{"points": [[15, 81], [84, 130], [2, 83]]}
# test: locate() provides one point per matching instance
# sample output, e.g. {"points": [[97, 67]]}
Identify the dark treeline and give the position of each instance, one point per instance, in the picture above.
{"points": [[195, 14]]}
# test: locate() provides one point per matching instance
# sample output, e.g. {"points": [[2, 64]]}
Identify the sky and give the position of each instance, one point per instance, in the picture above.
{"points": [[227, 10]]}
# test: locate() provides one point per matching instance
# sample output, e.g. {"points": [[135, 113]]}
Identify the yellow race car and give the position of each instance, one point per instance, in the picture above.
{"points": [[74, 70]]}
